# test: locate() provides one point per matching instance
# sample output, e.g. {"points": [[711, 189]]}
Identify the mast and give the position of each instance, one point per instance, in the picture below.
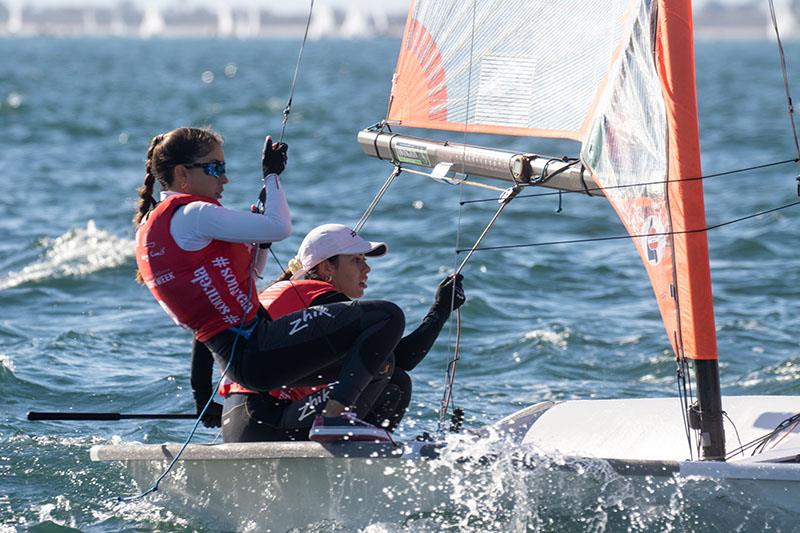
{"points": [[675, 55]]}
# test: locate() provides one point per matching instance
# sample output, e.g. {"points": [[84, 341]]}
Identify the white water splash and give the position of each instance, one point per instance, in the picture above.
{"points": [[138, 511], [556, 338], [61, 505], [76, 253], [6, 362]]}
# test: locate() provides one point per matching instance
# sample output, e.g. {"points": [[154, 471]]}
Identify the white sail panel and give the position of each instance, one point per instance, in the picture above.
{"points": [[528, 68], [642, 145], [627, 150]]}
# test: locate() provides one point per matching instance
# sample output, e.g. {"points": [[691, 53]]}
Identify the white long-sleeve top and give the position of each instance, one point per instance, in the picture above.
{"points": [[196, 224]]}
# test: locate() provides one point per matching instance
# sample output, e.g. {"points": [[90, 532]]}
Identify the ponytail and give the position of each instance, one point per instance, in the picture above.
{"points": [[313, 273]]}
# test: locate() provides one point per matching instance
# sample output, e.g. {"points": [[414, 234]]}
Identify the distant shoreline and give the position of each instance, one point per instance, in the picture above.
{"points": [[715, 21]]}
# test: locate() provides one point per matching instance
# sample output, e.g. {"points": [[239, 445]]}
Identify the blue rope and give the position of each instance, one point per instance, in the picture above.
{"points": [[154, 487], [241, 332]]}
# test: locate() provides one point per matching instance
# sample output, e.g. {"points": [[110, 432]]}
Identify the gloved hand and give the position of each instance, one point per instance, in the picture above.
{"points": [[445, 296], [273, 157], [213, 415]]}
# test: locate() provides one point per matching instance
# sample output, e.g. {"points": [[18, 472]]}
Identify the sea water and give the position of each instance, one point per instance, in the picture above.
{"points": [[540, 323]]}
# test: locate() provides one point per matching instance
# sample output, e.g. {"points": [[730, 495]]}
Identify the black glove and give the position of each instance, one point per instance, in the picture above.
{"points": [[445, 296], [273, 157], [213, 415]]}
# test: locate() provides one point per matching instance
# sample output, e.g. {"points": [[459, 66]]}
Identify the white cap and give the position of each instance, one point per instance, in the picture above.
{"points": [[328, 240]]}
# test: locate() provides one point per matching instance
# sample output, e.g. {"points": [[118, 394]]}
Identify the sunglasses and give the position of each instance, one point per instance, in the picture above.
{"points": [[210, 168]]}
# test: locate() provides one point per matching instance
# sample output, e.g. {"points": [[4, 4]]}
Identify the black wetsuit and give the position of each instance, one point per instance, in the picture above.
{"points": [[382, 400]]}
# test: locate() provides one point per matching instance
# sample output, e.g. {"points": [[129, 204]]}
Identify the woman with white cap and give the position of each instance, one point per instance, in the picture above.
{"points": [[331, 267]]}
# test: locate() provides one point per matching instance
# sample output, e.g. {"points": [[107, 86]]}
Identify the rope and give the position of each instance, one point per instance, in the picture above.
{"points": [[620, 237], [589, 190], [736, 430], [545, 177], [455, 344], [450, 376], [759, 444], [239, 333], [288, 108], [451, 367], [789, 104], [154, 487]]}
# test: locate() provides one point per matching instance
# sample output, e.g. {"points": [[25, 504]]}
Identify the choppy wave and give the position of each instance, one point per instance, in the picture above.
{"points": [[6, 363], [76, 253], [545, 336]]}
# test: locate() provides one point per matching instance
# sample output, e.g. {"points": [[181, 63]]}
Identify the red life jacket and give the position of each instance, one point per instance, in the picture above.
{"points": [[204, 291], [280, 299]]}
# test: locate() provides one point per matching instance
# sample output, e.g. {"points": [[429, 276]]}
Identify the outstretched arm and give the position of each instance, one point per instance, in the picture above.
{"points": [[415, 346]]}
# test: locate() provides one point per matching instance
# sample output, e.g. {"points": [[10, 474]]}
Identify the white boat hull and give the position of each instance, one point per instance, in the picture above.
{"points": [[528, 468]]}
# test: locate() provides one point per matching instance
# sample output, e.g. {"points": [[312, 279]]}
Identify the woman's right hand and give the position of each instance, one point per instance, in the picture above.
{"points": [[450, 292], [273, 157]]}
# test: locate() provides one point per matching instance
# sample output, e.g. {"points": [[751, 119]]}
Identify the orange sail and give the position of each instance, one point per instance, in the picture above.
{"points": [[508, 75], [616, 75]]}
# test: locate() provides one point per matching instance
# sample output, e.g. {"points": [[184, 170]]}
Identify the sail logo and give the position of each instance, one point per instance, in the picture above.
{"points": [[654, 240]]}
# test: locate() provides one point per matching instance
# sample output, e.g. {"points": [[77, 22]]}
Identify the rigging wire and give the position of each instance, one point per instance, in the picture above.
{"points": [[288, 108], [453, 344], [450, 376], [789, 104], [759, 444], [363, 220], [637, 236], [645, 183], [452, 364]]}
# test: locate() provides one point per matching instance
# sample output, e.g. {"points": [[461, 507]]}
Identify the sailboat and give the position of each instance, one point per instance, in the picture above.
{"points": [[628, 97]]}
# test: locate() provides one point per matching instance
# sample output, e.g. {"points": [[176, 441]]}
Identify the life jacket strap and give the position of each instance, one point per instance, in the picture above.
{"points": [[245, 331]]}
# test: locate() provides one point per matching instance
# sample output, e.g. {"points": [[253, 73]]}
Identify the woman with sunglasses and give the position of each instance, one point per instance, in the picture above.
{"points": [[331, 266], [199, 261]]}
